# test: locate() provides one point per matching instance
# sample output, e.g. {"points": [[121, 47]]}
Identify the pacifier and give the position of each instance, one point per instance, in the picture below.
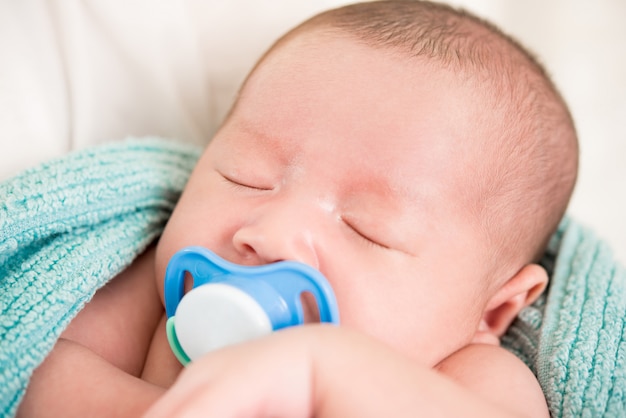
{"points": [[230, 303]]}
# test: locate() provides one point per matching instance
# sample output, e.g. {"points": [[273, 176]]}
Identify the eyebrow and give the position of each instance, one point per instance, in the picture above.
{"points": [[372, 185], [382, 192], [271, 145]]}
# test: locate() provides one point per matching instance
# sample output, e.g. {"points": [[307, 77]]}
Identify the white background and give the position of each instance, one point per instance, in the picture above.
{"points": [[79, 72]]}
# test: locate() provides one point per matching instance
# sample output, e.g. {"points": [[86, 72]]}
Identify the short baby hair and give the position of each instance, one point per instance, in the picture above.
{"points": [[529, 148]]}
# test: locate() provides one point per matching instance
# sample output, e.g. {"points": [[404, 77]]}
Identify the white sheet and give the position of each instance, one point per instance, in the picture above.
{"points": [[76, 73]]}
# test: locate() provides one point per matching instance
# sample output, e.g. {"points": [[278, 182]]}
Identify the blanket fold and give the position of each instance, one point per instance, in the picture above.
{"points": [[66, 228], [69, 226]]}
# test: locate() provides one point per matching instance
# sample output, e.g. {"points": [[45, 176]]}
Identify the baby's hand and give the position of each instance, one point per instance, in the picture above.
{"points": [[317, 370], [270, 376]]}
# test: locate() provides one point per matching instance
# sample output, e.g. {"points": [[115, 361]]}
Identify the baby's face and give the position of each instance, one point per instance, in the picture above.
{"points": [[354, 162]]}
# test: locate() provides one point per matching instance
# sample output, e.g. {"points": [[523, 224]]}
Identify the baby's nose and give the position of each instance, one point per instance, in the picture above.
{"points": [[276, 233]]}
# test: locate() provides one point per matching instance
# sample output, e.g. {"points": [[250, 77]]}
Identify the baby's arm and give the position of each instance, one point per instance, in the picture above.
{"points": [[95, 366], [76, 382], [325, 371]]}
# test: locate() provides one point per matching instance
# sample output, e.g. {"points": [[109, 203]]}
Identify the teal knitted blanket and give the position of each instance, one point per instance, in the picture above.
{"points": [[68, 226], [574, 337]]}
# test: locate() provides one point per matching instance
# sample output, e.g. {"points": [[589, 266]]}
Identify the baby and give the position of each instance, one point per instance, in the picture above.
{"points": [[417, 157]]}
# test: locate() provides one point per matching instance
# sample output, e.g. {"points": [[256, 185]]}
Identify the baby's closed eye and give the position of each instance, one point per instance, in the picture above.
{"points": [[245, 183], [365, 236]]}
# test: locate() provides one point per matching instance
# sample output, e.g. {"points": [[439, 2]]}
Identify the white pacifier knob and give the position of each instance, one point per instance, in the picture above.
{"points": [[231, 315]]}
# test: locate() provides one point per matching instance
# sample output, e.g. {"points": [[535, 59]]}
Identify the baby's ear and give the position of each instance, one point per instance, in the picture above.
{"points": [[518, 292]]}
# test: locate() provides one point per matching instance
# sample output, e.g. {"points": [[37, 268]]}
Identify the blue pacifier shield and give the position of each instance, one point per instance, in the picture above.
{"points": [[230, 303]]}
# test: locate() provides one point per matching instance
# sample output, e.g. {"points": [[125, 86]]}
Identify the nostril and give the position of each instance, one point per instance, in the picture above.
{"points": [[244, 241], [246, 253], [246, 248]]}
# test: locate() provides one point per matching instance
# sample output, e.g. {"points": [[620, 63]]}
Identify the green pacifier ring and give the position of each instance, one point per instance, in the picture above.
{"points": [[178, 351]]}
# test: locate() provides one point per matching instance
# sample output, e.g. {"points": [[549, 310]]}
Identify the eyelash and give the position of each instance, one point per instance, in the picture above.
{"points": [[364, 237], [238, 185]]}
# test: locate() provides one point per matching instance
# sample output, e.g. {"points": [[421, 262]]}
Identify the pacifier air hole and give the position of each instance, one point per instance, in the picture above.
{"points": [[188, 282], [310, 309]]}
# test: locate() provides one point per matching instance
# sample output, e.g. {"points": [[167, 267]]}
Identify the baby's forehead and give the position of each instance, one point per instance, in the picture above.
{"points": [[489, 78], [438, 120]]}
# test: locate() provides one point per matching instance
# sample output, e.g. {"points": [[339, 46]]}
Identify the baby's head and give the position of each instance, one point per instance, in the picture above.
{"points": [[523, 152], [416, 156]]}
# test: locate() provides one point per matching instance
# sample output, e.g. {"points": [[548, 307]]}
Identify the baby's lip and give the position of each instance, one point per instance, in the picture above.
{"points": [[309, 308]]}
